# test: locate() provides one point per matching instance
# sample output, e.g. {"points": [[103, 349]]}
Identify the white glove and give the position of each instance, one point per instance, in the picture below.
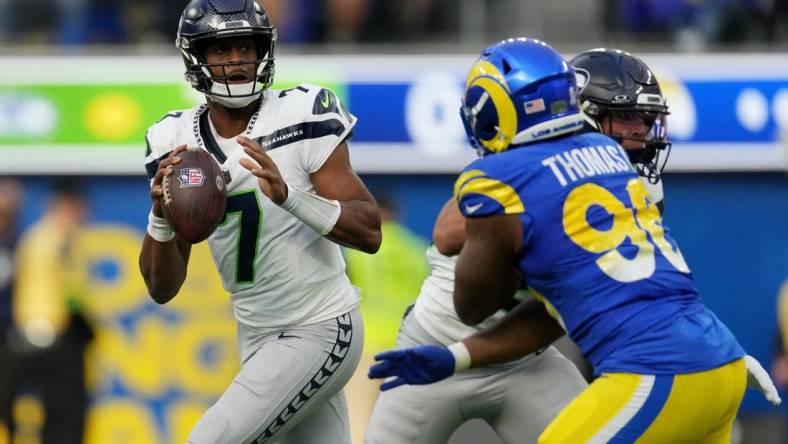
{"points": [[758, 379]]}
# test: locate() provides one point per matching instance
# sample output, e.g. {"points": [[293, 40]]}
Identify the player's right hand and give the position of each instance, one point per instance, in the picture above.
{"points": [[420, 365], [165, 169]]}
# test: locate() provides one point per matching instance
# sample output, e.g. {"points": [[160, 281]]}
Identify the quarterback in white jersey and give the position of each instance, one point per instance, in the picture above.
{"points": [[271, 262], [292, 197]]}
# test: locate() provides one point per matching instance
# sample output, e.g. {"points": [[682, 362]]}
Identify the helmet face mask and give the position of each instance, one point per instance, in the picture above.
{"points": [[205, 21], [647, 151], [616, 85]]}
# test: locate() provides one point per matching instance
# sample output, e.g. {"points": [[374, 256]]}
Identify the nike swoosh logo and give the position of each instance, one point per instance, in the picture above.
{"points": [[470, 209], [325, 101], [284, 336]]}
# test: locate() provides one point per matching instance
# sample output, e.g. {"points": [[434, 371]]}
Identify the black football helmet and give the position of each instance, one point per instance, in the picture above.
{"points": [[204, 20], [612, 82]]}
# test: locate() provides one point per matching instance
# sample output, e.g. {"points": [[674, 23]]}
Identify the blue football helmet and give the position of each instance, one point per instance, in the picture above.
{"points": [[519, 91], [205, 20]]}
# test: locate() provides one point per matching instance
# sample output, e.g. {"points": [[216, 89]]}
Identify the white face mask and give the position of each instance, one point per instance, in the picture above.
{"points": [[239, 92]]}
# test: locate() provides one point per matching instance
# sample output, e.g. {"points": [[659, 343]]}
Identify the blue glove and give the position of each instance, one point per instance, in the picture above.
{"points": [[424, 364]]}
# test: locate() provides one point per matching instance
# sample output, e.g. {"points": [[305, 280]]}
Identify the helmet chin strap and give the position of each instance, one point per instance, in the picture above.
{"points": [[234, 95]]}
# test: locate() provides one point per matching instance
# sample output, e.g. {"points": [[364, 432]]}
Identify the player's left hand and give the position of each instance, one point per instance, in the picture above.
{"points": [[758, 379], [420, 365], [268, 176]]}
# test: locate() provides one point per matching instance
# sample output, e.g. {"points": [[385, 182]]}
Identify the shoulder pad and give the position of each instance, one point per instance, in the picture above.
{"points": [[172, 130], [304, 112], [174, 127], [480, 193]]}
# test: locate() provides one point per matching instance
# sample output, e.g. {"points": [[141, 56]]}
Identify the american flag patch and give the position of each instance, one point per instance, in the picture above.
{"points": [[534, 106], [191, 177]]}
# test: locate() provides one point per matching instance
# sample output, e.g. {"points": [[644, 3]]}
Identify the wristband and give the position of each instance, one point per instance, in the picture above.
{"points": [[159, 228], [317, 212], [462, 357]]}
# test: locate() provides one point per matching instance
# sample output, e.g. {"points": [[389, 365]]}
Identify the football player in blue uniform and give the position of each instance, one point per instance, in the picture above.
{"points": [[562, 212]]}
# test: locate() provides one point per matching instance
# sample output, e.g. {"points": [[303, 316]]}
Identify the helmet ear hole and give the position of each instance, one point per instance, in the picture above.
{"points": [[487, 131], [507, 68]]}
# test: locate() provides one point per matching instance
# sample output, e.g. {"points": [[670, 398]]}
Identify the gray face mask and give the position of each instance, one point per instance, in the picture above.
{"points": [[234, 95]]}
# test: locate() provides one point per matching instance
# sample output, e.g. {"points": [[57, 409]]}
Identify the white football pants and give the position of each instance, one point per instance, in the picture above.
{"points": [[289, 388], [518, 400]]}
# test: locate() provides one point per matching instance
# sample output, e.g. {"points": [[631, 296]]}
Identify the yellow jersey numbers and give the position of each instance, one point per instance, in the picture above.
{"points": [[640, 224]]}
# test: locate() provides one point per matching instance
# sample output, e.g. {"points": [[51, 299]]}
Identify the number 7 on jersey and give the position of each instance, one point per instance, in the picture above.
{"points": [[246, 207]]}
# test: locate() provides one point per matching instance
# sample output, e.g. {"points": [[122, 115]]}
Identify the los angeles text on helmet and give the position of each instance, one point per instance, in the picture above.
{"points": [[557, 130], [579, 163]]}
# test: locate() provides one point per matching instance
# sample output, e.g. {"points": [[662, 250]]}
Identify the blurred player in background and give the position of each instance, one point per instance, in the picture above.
{"points": [[51, 332], [11, 196], [292, 197], [569, 214], [780, 364], [517, 405]]}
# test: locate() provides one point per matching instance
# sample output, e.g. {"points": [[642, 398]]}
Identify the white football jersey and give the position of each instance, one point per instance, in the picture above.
{"points": [[434, 308], [279, 271]]}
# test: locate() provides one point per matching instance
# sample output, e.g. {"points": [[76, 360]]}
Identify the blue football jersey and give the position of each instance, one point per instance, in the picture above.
{"points": [[597, 254]]}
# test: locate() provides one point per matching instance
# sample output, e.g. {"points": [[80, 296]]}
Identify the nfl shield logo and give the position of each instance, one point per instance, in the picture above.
{"points": [[191, 177]]}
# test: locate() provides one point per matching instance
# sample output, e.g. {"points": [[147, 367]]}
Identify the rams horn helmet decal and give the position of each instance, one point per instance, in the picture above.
{"points": [[518, 92]]}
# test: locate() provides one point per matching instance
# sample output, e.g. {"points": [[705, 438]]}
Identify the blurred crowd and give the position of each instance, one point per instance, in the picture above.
{"points": [[690, 24], [79, 22], [695, 24]]}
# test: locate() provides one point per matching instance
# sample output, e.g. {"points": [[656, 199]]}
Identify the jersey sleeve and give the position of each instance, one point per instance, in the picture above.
{"points": [[152, 158], [160, 139], [329, 124], [479, 193]]}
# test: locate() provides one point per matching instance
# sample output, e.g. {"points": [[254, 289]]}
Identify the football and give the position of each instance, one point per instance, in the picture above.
{"points": [[194, 195]]}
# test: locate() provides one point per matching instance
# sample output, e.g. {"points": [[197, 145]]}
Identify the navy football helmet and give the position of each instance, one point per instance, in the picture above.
{"points": [[615, 83], [204, 20], [519, 91]]}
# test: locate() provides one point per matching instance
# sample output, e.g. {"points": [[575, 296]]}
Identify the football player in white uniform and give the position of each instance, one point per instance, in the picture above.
{"points": [[292, 197], [519, 398]]}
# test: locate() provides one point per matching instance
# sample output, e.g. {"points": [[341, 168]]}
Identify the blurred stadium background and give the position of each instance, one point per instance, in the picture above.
{"points": [[81, 80]]}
